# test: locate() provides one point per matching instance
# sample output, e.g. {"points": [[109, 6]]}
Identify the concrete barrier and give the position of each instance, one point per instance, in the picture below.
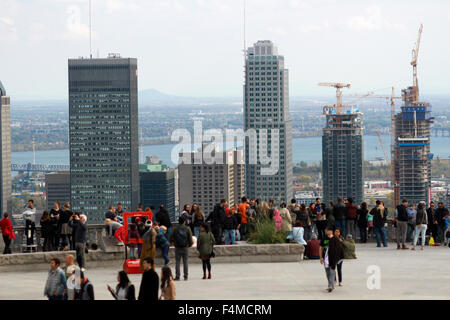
{"points": [[241, 253]]}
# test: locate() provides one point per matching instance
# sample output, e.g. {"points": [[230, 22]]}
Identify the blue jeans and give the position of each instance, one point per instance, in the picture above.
{"points": [[308, 233], [230, 236], [165, 254], [196, 231], [340, 224], [382, 232], [168, 232]]}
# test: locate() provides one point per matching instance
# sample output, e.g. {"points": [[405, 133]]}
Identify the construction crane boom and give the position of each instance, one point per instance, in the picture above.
{"points": [[415, 56], [338, 87]]}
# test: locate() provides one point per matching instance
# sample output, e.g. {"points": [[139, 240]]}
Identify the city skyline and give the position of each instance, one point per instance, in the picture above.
{"points": [[367, 44]]}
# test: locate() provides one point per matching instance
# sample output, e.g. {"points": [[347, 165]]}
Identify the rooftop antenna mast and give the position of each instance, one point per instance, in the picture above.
{"points": [[90, 29]]}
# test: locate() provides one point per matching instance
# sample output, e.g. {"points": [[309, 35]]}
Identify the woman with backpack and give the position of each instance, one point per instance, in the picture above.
{"points": [[205, 247], [124, 289]]}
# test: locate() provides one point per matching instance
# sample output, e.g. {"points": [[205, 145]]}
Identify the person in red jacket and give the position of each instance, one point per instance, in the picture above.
{"points": [[7, 232]]}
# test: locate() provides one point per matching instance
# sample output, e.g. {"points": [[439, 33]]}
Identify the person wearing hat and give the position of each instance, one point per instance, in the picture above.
{"points": [[148, 244]]}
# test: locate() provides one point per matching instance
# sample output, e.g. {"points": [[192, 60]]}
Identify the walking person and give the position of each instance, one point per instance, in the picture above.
{"points": [[362, 222], [73, 277], [87, 288], [55, 287], [29, 216], [162, 218], [339, 212], [148, 291], [7, 232], [351, 215], [168, 287], [217, 218], [46, 231], [125, 289], [79, 231], [205, 247], [379, 214], [401, 218], [421, 225], [331, 253], [181, 238], [338, 235]]}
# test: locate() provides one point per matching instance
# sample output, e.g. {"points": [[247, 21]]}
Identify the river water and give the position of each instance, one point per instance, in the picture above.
{"points": [[303, 149]]}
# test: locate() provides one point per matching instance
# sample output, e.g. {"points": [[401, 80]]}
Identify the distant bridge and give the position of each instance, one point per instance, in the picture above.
{"points": [[39, 167]]}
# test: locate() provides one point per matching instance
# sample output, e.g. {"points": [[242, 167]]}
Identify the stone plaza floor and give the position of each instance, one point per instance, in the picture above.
{"points": [[404, 274]]}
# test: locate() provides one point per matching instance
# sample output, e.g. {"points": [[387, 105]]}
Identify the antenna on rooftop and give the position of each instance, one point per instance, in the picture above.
{"points": [[90, 29]]}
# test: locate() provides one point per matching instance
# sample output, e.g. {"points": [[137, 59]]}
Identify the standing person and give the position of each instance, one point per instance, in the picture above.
{"points": [[339, 212], [411, 223], [440, 220], [148, 244], [55, 287], [243, 209], [271, 209], [79, 230], [72, 273], [329, 213], [303, 217], [190, 218], [362, 221], [230, 226], [321, 218], [87, 288], [370, 229], [46, 231], [7, 232], [351, 215], [198, 219], [63, 227], [421, 225], [29, 216], [251, 216], [181, 238], [149, 288], [331, 253], [168, 288], [186, 214], [162, 243], [124, 289], [149, 213], [54, 217], [431, 213], [163, 219], [205, 247], [217, 218], [401, 218], [379, 214], [286, 216]]}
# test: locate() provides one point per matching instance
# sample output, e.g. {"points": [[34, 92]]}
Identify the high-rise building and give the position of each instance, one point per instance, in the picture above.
{"points": [[206, 184], [266, 110], [103, 134], [411, 154], [5, 149], [157, 186], [342, 155], [57, 185]]}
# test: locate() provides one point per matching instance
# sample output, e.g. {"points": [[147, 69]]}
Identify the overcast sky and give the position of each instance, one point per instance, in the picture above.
{"points": [[194, 47]]}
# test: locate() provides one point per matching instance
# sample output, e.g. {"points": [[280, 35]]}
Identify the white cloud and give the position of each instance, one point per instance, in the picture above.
{"points": [[373, 20], [74, 27], [308, 28]]}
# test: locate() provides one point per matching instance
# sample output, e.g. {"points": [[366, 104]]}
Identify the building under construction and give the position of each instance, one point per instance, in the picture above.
{"points": [[342, 151], [411, 152]]}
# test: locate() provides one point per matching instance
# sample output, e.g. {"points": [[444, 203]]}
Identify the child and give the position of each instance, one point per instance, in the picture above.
{"points": [[133, 238], [162, 243], [278, 219]]}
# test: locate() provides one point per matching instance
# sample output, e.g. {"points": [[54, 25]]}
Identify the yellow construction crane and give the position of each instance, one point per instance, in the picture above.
{"points": [[415, 56], [338, 87]]}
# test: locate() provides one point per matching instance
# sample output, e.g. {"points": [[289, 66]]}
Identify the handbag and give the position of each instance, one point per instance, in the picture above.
{"points": [[213, 253]]}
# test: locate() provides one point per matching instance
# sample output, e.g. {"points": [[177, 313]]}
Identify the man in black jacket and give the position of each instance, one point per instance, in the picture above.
{"points": [[150, 282], [432, 228], [440, 215], [163, 219], [217, 218], [340, 212], [401, 218], [78, 224]]}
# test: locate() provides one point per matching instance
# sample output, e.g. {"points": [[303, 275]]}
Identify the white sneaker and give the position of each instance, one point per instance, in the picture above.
{"points": [[120, 244]]}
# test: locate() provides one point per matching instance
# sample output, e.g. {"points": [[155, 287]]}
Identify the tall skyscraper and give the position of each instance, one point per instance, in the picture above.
{"points": [[342, 155], [103, 134], [5, 149], [266, 109]]}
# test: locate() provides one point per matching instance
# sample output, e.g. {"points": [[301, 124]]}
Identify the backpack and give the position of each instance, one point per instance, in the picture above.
{"points": [[181, 238], [278, 222]]}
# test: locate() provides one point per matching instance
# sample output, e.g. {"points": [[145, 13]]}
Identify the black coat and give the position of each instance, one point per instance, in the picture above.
{"points": [[163, 218], [217, 217], [46, 228], [362, 218], [339, 211], [149, 286], [79, 231], [335, 252], [378, 220], [440, 214]]}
